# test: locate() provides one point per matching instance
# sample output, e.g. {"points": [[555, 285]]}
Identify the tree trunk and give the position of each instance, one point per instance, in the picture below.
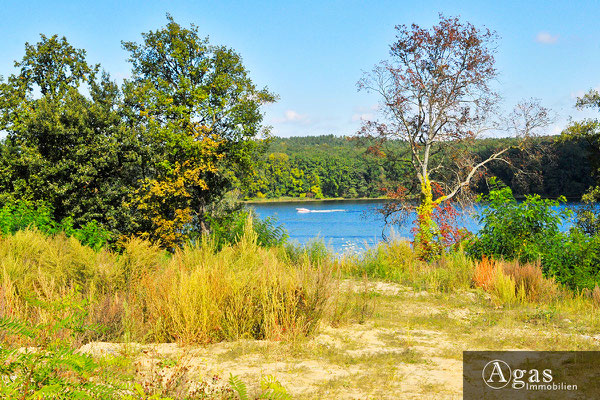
{"points": [[426, 241]]}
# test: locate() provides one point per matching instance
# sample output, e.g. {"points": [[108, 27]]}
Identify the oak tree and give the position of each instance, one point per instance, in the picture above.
{"points": [[198, 109]]}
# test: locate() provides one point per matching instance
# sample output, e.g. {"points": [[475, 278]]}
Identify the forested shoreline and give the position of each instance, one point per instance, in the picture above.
{"points": [[329, 167]]}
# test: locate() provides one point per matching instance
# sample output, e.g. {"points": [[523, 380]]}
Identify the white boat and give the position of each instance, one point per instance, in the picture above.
{"points": [[306, 210]]}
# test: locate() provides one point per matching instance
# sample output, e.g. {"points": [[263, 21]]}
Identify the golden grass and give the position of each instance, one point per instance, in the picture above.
{"points": [[196, 295]]}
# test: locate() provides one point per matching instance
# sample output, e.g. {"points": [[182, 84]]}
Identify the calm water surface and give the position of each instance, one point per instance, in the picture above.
{"points": [[346, 225]]}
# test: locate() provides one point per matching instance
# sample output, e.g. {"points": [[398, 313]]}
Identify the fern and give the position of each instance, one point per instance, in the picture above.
{"points": [[45, 367], [272, 389], [238, 386], [10, 327]]}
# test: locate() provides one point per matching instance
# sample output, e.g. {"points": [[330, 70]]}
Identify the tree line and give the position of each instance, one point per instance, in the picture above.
{"points": [[331, 166]]}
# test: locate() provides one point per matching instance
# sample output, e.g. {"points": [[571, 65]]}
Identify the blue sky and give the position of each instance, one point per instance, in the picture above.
{"points": [[311, 53]]}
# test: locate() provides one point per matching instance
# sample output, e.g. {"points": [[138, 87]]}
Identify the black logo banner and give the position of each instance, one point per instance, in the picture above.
{"points": [[531, 375]]}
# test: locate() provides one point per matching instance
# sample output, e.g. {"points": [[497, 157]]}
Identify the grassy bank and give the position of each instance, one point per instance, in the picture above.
{"points": [[245, 321]]}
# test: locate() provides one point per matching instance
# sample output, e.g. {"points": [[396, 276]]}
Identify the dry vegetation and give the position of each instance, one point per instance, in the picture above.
{"points": [[382, 325]]}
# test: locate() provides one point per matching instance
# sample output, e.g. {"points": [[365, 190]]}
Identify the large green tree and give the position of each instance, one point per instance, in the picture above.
{"points": [[64, 140], [198, 109], [152, 157]]}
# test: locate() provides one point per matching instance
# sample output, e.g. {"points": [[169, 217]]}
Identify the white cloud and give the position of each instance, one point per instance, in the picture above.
{"points": [[577, 94], [557, 128], [291, 116], [362, 117], [546, 38]]}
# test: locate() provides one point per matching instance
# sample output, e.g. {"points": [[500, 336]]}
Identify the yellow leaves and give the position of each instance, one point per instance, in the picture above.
{"points": [[163, 203], [166, 201]]}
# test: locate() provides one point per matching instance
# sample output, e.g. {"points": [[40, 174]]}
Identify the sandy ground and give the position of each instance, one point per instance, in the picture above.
{"points": [[410, 348]]}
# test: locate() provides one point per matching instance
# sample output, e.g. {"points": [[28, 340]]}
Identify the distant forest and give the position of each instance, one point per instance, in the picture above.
{"points": [[337, 167]]}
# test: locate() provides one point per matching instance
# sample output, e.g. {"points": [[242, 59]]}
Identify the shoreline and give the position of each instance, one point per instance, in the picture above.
{"points": [[309, 200]]}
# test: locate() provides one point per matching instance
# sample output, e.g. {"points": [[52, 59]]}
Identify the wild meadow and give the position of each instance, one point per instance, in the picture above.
{"points": [[82, 317], [130, 269]]}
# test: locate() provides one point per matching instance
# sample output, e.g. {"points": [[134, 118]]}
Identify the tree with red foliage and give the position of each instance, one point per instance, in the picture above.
{"points": [[436, 97]]}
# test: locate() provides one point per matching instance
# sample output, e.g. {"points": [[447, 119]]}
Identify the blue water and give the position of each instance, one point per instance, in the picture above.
{"points": [[348, 225]]}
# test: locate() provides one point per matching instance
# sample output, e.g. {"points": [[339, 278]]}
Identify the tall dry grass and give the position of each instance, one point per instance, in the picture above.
{"points": [[196, 295], [397, 262], [512, 282]]}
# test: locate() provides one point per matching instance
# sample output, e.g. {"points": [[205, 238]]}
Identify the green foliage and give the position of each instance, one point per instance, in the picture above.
{"points": [[529, 231], [574, 260], [238, 386], [588, 215], [512, 229], [270, 388], [348, 168], [46, 366], [148, 158], [321, 166], [21, 215], [228, 229], [314, 252], [197, 108], [391, 261], [64, 147], [587, 131], [397, 262]]}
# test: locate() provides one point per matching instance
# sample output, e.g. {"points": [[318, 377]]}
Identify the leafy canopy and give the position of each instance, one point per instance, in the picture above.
{"points": [[198, 108]]}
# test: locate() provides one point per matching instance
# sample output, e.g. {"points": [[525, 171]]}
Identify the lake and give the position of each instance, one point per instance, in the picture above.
{"points": [[345, 225]]}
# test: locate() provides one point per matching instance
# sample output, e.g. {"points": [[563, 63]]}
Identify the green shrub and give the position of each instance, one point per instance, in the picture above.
{"points": [[393, 261], [315, 252], [36, 363], [21, 215], [573, 259], [529, 232], [453, 271], [511, 229], [229, 228]]}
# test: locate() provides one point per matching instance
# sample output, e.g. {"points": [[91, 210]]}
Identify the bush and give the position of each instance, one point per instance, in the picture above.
{"points": [[35, 363], [513, 230], [529, 232], [198, 294], [242, 291], [485, 273], [513, 282], [230, 227], [396, 261], [315, 252], [573, 259], [23, 214], [391, 261]]}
